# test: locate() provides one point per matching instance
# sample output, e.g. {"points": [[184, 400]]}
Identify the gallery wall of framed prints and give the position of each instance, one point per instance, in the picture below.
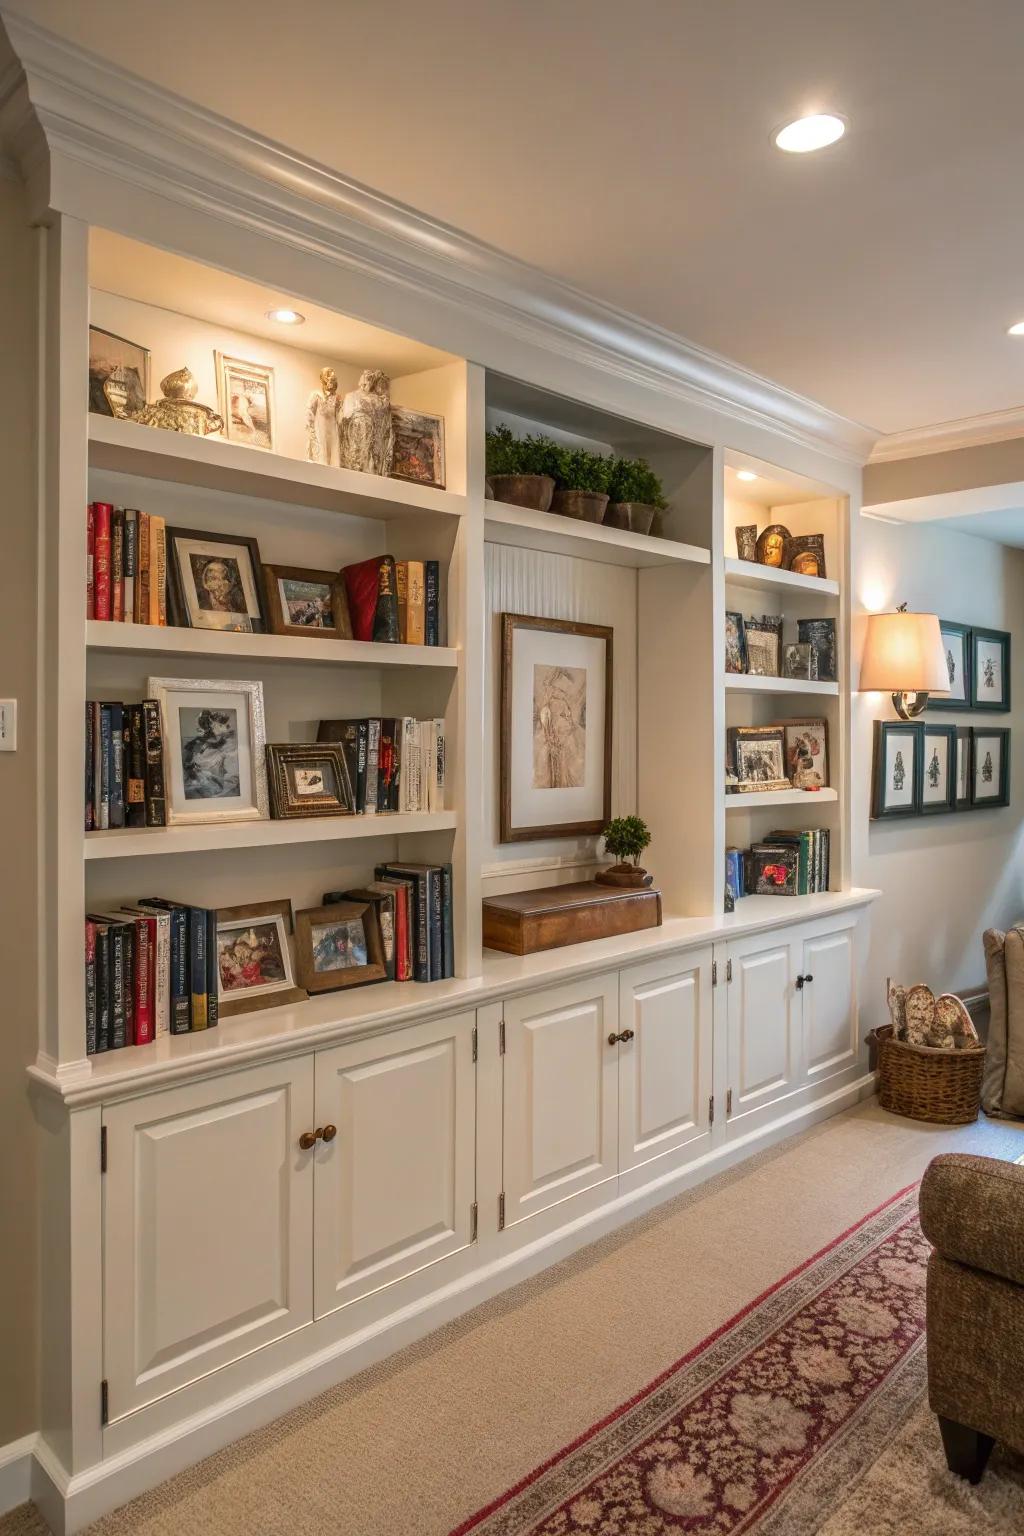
{"points": [[921, 768]]}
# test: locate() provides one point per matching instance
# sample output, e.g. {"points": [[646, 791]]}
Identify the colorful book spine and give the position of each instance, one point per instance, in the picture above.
{"points": [[432, 602], [145, 979], [448, 918], [117, 565], [90, 987], [103, 986], [142, 584], [416, 618], [90, 768], [212, 971], [385, 618], [101, 565], [117, 765], [438, 781], [197, 966], [106, 767], [90, 562], [402, 594], [135, 780], [156, 798], [372, 766], [118, 968], [157, 570], [131, 561]]}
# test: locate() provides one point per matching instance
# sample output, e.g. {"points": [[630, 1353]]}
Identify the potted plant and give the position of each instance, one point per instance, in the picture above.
{"points": [[634, 496], [581, 479], [626, 838], [519, 469]]}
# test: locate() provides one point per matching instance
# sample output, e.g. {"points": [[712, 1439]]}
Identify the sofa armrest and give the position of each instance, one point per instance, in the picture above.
{"points": [[972, 1211]]}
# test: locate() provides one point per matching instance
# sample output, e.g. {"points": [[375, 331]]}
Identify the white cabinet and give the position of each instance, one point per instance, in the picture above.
{"points": [[829, 996], [561, 1094], [394, 1188], [208, 1206], [665, 1067]]}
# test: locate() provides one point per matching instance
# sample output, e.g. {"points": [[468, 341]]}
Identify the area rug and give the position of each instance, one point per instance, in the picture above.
{"points": [[767, 1424]]}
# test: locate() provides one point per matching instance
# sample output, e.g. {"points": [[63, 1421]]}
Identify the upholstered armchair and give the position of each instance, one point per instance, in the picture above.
{"points": [[972, 1211]]}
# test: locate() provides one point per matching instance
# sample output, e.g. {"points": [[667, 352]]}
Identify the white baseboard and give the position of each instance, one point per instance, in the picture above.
{"points": [[71, 1503], [16, 1462]]}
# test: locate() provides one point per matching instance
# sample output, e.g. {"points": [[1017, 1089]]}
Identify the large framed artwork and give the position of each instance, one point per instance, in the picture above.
{"points": [[896, 789], [956, 646], [990, 669], [556, 728], [214, 749]]}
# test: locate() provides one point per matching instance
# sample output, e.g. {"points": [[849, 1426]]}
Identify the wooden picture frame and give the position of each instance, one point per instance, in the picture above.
{"points": [[958, 636], [202, 597], [299, 600], [903, 799], [247, 922], [930, 736], [962, 768], [292, 796], [556, 745], [984, 665], [981, 738], [318, 933]]}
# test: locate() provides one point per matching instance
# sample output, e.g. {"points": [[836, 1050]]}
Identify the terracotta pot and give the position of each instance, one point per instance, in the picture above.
{"points": [[625, 876], [533, 491], [616, 514], [585, 506], [641, 516]]}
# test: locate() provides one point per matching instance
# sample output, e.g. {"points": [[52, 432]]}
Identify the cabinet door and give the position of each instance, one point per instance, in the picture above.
{"points": [[560, 1133], [207, 1216], [829, 1003], [665, 1069], [763, 1006], [395, 1187]]}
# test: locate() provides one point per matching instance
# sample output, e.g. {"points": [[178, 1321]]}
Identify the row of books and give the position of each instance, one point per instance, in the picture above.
{"points": [[150, 969], [415, 909], [126, 565], [781, 864], [394, 763], [124, 766], [395, 601]]}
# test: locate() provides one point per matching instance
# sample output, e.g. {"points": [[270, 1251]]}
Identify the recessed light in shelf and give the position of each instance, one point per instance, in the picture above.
{"points": [[745, 474], [806, 134], [286, 316]]}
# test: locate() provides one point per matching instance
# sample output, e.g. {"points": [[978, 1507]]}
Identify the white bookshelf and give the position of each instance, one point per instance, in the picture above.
{"points": [[745, 682], [131, 842], [156, 640], [765, 578], [526, 528], [758, 800]]}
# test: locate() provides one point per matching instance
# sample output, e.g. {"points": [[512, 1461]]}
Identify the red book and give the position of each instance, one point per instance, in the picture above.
{"points": [[145, 979], [101, 560], [372, 591], [403, 954], [90, 560]]}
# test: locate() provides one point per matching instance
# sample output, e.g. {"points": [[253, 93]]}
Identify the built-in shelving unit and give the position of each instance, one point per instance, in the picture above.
{"points": [[745, 682], [765, 578], [127, 842], [758, 800], [155, 640], [556, 535]]}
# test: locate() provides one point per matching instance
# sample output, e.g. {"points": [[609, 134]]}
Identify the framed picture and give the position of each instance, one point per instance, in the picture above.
{"points": [[805, 554], [118, 374], [990, 669], [764, 645], [896, 774], [799, 659], [338, 946], [757, 755], [735, 643], [214, 741], [308, 779], [807, 753], [214, 581], [556, 728], [774, 871], [990, 767], [419, 447], [956, 644], [962, 787], [938, 769], [255, 967], [820, 634], [312, 604], [245, 392]]}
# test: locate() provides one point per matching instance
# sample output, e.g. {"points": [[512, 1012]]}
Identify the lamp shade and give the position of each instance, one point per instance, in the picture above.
{"points": [[903, 654]]}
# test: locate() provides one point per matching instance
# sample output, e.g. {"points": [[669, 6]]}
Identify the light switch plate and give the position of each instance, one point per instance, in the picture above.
{"points": [[8, 725]]}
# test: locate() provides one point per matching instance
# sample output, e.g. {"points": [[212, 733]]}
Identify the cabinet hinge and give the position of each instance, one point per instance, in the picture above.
{"points": [[476, 1041], [728, 970], [711, 1110], [728, 1102], [501, 1212], [104, 1403], [103, 1149], [472, 1222], [501, 1038]]}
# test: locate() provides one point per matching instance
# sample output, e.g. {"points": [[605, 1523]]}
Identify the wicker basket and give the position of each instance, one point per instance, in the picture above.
{"points": [[928, 1084]]}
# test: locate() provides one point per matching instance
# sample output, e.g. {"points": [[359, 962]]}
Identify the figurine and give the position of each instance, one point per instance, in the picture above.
{"points": [[367, 428], [178, 410], [323, 430]]}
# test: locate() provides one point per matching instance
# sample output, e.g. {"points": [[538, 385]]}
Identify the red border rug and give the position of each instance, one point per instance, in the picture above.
{"points": [[751, 1431]]}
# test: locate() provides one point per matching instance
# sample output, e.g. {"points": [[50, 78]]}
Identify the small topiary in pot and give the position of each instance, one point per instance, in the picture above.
{"points": [[519, 469], [635, 496], [626, 838], [582, 484]]}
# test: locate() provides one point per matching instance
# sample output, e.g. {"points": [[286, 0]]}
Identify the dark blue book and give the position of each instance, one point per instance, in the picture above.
{"points": [[197, 966], [90, 770], [117, 765], [448, 918], [106, 768], [212, 970], [432, 602], [181, 1009]]}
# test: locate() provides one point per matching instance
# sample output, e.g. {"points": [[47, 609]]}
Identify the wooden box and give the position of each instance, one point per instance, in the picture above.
{"points": [[526, 921]]}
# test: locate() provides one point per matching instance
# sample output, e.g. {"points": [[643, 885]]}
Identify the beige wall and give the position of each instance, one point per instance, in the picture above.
{"points": [[933, 474], [18, 923], [944, 879]]}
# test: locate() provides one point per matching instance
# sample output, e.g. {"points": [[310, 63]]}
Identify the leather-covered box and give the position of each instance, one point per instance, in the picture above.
{"points": [[524, 922]]}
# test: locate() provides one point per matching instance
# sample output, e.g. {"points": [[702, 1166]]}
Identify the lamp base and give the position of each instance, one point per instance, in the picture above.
{"points": [[909, 705]]}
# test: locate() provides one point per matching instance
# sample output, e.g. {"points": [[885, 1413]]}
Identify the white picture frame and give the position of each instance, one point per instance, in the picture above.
{"points": [[245, 392], [214, 749]]}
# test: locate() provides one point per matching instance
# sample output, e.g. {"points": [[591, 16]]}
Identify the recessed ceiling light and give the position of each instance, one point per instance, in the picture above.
{"points": [[1016, 330], [286, 316], [809, 133], [745, 474]]}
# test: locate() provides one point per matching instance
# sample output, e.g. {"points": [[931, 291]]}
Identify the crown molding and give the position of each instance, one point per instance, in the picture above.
{"points": [[62, 103], [948, 436]]}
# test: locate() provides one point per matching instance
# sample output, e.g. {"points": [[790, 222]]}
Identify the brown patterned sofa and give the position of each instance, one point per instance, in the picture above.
{"points": [[972, 1212]]}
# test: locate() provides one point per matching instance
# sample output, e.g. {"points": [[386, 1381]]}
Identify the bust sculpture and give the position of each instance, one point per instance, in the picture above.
{"points": [[367, 430], [323, 431]]}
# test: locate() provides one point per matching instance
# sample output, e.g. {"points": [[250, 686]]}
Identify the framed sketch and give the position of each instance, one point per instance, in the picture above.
{"points": [[896, 773], [245, 392], [757, 756], [419, 447], [338, 945], [805, 554], [938, 769], [800, 659], [990, 669], [735, 643], [118, 374], [956, 646], [962, 786], [990, 767], [255, 966], [309, 779], [556, 728], [214, 581], [214, 749], [311, 604], [764, 645], [807, 753]]}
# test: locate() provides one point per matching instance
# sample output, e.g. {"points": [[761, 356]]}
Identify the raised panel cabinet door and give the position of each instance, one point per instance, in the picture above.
{"points": [[763, 1011], [207, 1227], [394, 1189], [829, 1004], [665, 1069], [560, 1128]]}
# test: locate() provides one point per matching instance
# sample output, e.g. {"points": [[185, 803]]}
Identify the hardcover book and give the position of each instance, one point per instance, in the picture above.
{"points": [[101, 568], [372, 591]]}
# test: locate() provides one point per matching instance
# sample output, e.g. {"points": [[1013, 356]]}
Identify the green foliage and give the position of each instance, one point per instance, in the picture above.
{"points": [[580, 470], [511, 455], [635, 480], [626, 838], [573, 469]]}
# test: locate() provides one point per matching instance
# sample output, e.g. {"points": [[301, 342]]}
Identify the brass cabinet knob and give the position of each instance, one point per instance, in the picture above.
{"points": [[613, 1038], [309, 1139], [624, 1035], [330, 1131], [627, 1034]]}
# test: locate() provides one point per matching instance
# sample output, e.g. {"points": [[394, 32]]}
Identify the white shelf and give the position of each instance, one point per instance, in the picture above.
{"points": [[744, 573], [556, 535], [155, 640], [744, 682], [132, 842], [216, 465], [755, 800]]}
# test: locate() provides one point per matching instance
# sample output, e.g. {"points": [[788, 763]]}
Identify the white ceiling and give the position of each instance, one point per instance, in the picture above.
{"points": [[627, 149]]}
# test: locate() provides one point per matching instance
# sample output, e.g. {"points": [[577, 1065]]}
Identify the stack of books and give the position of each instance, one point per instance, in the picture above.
{"points": [[423, 919], [150, 969], [781, 864], [395, 763], [394, 601], [124, 766], [126, 565]]}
